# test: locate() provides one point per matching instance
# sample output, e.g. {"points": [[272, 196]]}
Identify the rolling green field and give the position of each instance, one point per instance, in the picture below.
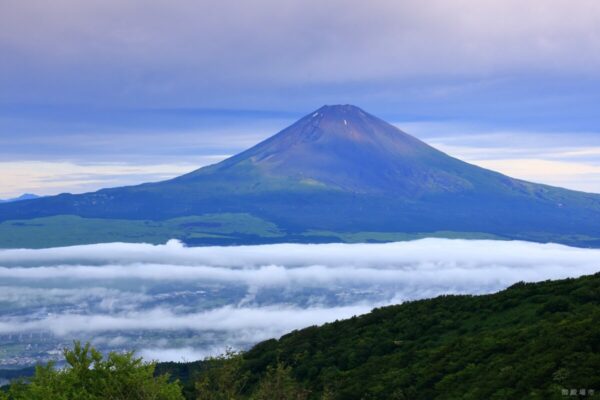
{"points": [[208, 229], [73, 230], [360, 237]]}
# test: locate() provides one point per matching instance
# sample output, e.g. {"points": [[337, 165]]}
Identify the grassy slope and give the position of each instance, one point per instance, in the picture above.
{"points": [[361, 237], [527, 342], [72, 230], [306, 214], [225, 228]]}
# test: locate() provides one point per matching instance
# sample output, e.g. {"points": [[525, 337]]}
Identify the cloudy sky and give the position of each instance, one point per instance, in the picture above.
{"points": [[110, 92]]}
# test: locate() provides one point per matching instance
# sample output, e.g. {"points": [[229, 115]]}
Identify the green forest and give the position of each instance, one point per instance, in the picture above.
{"points": [[530, 341]]}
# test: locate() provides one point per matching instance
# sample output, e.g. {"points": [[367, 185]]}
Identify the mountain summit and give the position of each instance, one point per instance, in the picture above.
{"points": [[345, 148], [339, 173]]}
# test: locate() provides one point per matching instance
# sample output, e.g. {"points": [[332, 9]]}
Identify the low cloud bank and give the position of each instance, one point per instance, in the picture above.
{"points": [[271, 320], [181, 354], [425, 263], [385, 255], [203, 299]]}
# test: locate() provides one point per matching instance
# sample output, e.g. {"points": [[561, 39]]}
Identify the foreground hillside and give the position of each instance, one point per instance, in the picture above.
{"points": [[529, 341], [338, 174]]}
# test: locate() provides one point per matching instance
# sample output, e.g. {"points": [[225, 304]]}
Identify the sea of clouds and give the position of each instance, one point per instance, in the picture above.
{"points": [[171, 302]]}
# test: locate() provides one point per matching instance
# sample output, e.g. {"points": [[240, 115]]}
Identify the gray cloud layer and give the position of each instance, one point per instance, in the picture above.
{"points": [[404, 270], [173, 52], [431, 253]]}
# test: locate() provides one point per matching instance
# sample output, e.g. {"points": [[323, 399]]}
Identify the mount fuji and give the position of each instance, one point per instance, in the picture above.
{"points": [[337, 174]]}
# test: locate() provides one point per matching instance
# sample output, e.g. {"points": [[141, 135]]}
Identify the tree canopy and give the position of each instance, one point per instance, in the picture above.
{"points": [[90, 376]]}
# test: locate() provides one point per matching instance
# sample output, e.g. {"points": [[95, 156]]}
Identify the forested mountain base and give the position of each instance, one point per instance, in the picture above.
{"points": [[533, 340]]}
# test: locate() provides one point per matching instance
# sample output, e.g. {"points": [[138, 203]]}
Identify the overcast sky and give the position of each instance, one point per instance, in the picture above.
{"points": [[110, 92]]}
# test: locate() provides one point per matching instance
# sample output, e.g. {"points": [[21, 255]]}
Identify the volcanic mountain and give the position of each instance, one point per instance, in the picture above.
{"points": [[338, 173]]}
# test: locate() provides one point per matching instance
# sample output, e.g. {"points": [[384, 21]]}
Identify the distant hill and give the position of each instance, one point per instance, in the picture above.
{"points": [[25, 196], [338, 174], [530, 341]]}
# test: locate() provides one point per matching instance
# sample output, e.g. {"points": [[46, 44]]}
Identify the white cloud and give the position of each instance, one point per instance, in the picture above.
{"points": [[401, 271], [48, 177], [265, 321], [113, 293], [565, 159], [413, 269], [180, 354], [108, 299], [432, 253], [575, 175]]}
